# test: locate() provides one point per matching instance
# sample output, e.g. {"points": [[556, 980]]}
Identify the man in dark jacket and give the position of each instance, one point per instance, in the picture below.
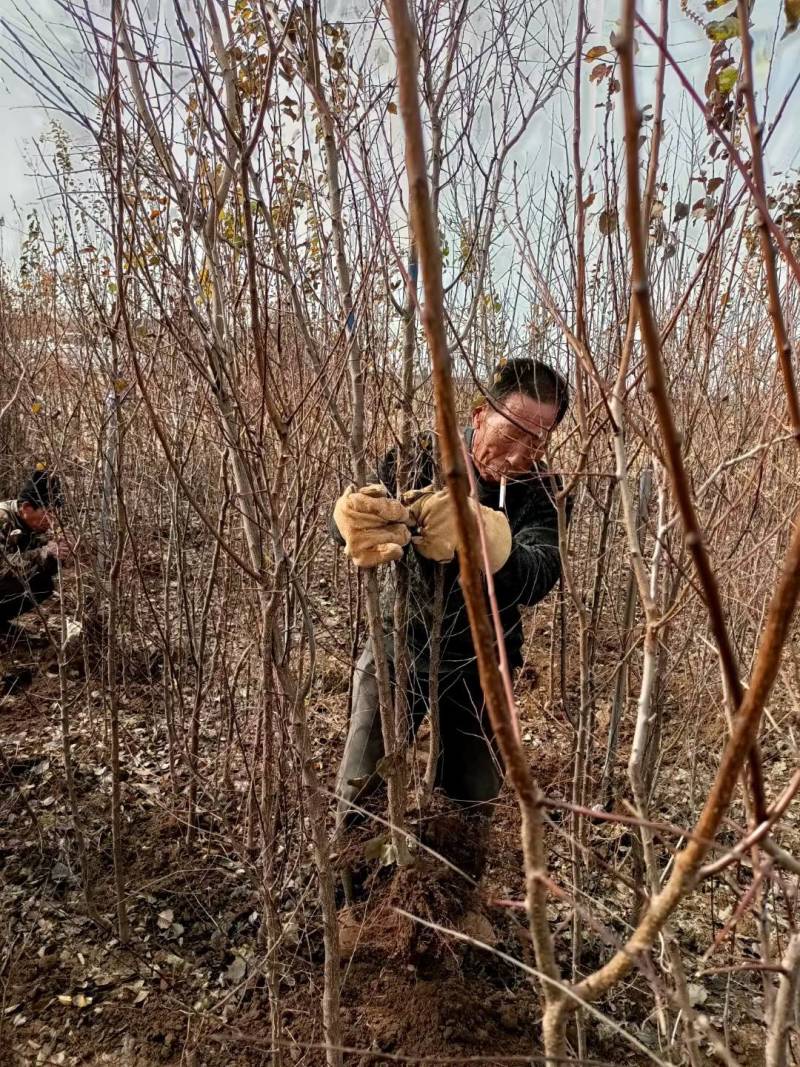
{"points": [[506, 442], [29, 557]]}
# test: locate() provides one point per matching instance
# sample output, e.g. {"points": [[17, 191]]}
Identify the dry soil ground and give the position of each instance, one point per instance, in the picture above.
{"points": [[189, 988]]}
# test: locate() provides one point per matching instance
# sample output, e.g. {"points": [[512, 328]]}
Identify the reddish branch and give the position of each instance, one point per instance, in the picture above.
{"points": [[782, 342], [657, 384], [758, 833], [433, 319], [735, 158]]}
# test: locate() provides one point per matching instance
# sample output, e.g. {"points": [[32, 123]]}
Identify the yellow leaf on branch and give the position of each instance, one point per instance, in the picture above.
{"points": [[723, 29], [726, 79]]}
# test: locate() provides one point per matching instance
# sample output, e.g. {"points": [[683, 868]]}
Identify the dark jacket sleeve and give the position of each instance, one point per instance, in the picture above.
{"points": [[534, 566], [333, 530]]}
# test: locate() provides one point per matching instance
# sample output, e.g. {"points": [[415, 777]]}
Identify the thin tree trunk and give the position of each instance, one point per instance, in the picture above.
{"points": [[194, 726], [435, 655], [113, 666], [392, 743], [620, 696], [496, 689], [785, 1009]]}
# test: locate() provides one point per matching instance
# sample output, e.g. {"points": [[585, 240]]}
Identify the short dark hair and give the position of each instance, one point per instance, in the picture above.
{"points": [[533, 378], [42, 490]]}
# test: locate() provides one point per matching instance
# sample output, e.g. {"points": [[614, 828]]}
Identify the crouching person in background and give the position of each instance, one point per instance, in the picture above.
{"points": [[29, 554]]}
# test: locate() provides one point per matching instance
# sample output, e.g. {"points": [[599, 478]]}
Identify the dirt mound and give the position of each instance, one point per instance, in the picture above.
{"points": [[389, 927], [405, 915]]}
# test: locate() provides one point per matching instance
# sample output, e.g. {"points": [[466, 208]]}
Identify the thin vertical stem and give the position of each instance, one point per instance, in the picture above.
{"points": [[495, 691]]}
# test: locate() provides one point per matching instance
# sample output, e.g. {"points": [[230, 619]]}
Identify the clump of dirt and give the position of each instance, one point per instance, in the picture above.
{"points": [[421, 895], [460, 839], [409, 912], [420, 990]]}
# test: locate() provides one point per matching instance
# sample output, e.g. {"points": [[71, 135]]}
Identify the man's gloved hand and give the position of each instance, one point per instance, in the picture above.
{"points": [[59, 548], [498, 536], [374, 525], [436, 521]]}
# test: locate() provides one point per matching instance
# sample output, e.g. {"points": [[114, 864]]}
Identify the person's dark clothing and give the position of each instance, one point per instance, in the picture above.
{"points": [[27, 572], [531, 571], [469, 769], [42, 489]]}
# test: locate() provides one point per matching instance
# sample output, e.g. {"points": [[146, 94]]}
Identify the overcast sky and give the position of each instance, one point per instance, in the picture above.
{"points": [[22, 118]]}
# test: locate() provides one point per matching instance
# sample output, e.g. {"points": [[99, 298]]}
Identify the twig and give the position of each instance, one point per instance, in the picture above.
{"points": [[774, 632], [736, 159], [785, 1006], [500, 713], [782, 342], [758, 833]]}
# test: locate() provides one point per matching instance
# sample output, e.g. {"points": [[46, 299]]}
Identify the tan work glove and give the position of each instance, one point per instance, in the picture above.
{"points": [[435, 518], [374, 526]]}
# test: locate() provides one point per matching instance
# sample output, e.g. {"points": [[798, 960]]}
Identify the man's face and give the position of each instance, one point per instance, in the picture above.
{"points": [[511, 437], [37, 519]]}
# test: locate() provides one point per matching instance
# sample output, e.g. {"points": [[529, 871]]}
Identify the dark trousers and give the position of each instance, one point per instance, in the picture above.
{"points": [[469, 769], [17, 597]]}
